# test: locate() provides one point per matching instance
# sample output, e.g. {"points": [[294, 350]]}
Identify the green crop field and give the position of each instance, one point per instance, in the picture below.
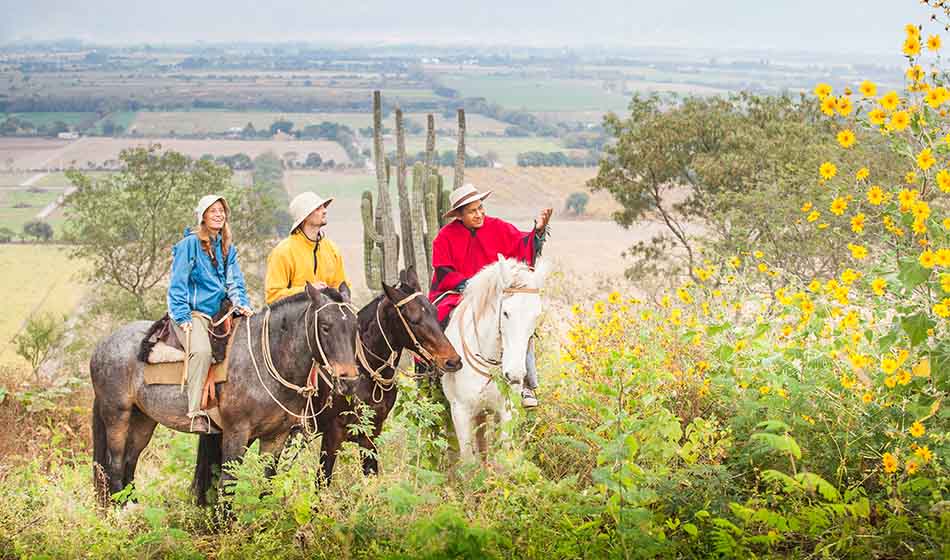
{"points": [[151, 123], [42, 279], [13, 179], [509, 148], [18, 207], [536, 94], [41, 119]]}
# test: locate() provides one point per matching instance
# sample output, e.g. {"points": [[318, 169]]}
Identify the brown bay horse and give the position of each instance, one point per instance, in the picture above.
{"points": [[312, 329], [401, 318]]}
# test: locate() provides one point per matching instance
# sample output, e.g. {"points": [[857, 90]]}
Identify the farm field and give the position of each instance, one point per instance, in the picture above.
{"points": [[42, 280], [19, 206], [29, 153], [509, 148], [536, 94], [151, 123]]}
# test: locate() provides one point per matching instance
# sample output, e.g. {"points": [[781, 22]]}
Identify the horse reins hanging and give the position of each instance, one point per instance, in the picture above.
{"points": [[310, 388]]}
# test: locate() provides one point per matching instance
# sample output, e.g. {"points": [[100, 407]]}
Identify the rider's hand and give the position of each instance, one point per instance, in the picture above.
{"points": [[185, 327], [319, 285], [246, 311], [543, 218]]}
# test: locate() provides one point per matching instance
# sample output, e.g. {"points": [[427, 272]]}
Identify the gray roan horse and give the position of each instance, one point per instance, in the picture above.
{"points": [[252, 403]]}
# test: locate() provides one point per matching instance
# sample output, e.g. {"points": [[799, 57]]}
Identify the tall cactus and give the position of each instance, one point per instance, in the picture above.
{"points": [[421, 206], [387, 229], [460, 153]]}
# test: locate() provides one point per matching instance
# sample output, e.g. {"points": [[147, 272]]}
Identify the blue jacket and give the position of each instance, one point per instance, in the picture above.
{"points": [[197, 285]]}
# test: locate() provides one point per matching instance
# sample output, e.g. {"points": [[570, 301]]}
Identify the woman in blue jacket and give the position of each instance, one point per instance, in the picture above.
{"points": [[205, 270]]}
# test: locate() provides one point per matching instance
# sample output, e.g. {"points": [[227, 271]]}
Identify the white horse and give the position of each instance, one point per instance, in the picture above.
{"points": [[492, 326]]}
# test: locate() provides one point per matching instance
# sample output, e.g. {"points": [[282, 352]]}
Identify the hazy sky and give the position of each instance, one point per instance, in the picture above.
{"points": [[860, 26]]}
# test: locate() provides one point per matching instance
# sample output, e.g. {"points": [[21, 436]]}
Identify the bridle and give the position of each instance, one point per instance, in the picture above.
{"points": [[323, 370], [383, 384], [480, 363]]}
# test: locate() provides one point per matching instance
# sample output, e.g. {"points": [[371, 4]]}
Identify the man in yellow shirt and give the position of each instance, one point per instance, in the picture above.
{"points": [[306, 255]]}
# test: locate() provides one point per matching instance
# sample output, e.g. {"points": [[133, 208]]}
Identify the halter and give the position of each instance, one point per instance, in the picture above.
{"points": [[480, 363], [310, 389], [384, 385]]}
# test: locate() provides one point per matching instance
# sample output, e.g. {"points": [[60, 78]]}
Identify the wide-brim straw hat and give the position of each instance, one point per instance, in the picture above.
{"points": [[466, 194], [304, 204], [206, 201]]}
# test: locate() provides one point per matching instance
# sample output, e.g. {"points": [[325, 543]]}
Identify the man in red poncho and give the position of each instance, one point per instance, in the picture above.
{"points": [[469, 243]]}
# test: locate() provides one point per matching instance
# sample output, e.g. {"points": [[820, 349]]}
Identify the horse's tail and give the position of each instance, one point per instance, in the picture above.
{"points": [[99, 452], [209, 456]]}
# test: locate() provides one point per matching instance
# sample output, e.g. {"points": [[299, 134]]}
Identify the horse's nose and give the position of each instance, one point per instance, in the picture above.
{"points": [[453, 364]]}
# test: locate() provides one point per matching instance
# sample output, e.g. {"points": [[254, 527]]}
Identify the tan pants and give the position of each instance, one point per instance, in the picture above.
{"points": [[198, 361]]}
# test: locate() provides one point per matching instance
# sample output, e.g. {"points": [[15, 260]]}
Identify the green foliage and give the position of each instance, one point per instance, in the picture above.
{"points": [[739, 166], [577, 203], [38, 230], [125, 224], [39, 336]]}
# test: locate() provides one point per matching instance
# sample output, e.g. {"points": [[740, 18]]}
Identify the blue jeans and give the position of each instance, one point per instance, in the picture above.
{"points": [[531, 378]]}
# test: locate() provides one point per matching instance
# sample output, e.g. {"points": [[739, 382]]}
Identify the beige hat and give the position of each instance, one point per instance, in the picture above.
{"points": [[464, 195], [206, 201], [304, 204]]}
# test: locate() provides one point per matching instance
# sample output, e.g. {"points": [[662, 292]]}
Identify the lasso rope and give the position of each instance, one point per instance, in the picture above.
{"points": [[309, 390]]}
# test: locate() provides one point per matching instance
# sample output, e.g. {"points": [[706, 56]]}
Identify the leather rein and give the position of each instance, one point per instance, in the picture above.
{"points": [[480, 363]]}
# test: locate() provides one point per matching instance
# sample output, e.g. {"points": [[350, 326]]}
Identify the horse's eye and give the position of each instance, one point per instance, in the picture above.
{"points": [[325, 329], [505, 314]]}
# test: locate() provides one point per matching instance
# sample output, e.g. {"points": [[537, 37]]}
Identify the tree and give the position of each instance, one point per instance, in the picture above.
{"points": [[40, 335], [108, 128], [313, 160], [282, 125], [124, 225], [577, 203], [710, 169], [6, 235], [38, 229]]}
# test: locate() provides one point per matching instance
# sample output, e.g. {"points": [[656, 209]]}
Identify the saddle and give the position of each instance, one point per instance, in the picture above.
{"points": [[161, 344]]}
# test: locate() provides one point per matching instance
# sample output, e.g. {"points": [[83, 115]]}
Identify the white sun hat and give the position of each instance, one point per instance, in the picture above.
{"points": [[463, 195], [206, 201], [305, 203]]}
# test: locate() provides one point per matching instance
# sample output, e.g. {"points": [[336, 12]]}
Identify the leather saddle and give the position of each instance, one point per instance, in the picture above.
{"points": [[161, 345]]}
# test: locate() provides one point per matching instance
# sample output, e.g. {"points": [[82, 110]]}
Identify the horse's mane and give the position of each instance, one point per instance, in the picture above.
{"points": [[331, 293], [484, 289]]}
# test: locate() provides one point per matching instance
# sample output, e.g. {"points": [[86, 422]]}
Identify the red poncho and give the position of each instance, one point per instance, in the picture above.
{"points": [[459, 253]]}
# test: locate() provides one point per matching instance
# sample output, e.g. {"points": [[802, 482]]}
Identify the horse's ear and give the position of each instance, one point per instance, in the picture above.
{"points": [[391, 293], [410, 279], [314, 293], [504, 271], [402, 276], [541, 270]]}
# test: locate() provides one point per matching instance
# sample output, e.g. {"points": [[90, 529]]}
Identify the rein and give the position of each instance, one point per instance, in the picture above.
{"points": [[310, 389], [382, 384], [480, 363]]}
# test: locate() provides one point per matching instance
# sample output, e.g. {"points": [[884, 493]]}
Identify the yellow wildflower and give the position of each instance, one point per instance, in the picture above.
{"points": [[933, 43], [822, 90], [845, 106], [903, 377], [857, 251], [838, 206], [889, 101], [889, 462], [925, 159], [846, 138], [878, 285], [911, 46], [829, 105], [924, 453], [868, 88], [614, 298], [899, 120], [917, 429], [877, 116], [862, 174], [857, 223], [927, 259], [875, 195]]}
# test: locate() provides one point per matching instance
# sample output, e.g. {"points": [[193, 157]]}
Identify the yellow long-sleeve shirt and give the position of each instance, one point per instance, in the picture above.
{"points": [[296, 260]]}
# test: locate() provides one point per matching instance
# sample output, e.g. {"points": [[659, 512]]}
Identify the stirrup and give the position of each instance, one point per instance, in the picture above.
{"points": [[210, 425]]}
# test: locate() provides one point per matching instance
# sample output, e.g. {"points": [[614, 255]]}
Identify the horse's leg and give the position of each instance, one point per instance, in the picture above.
{"points": [[233, 446], [481, 427], [274, 446], [332, 438], [462, 419], [503, 416], [209, 457], [141, 428], [117, 424]]}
